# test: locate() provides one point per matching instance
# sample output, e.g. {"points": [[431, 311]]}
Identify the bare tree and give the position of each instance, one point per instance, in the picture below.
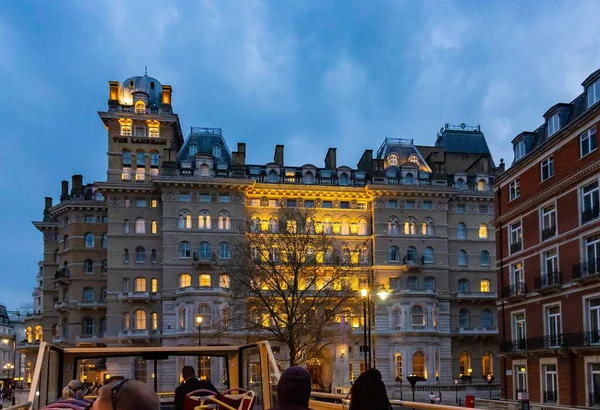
{"points": [[293, 280]]}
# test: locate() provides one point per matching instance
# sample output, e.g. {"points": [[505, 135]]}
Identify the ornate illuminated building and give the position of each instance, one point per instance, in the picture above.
{"points": [[134, 259]]}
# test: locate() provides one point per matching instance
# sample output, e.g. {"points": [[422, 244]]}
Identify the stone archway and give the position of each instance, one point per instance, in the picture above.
{"points": [[320, 367]]}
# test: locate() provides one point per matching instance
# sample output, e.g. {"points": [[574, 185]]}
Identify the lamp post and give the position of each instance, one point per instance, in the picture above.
{"points": [[364, 293], [8, 367], [490, 378], [199, 320], [456, 389], [413, 379]]}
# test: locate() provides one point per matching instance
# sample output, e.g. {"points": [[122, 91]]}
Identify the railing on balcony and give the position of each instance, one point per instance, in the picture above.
{"points": [[548, 232], [516, 289], [549, 396], [516, 247], [589, 214], [548, 280], [477, 295], [587, 268], [558, 341], [62, 273]]}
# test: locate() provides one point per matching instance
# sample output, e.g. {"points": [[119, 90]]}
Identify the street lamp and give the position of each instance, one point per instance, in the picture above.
{"points": [[8, 367], [456, 389], [413, 379], [490, 378], [199, 320], [363, 294]]}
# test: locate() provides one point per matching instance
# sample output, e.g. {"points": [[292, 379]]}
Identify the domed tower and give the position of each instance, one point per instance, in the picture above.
{"points": [[144, 134]]}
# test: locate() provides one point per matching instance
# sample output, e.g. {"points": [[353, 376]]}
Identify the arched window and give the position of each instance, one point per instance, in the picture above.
{"points": [[224, 221], [184, 221], [104, 266], [484, 258], [460, 183], [409, 179], [484, 286], [88, 266], [362, 227], [398, 363], [394, 254], [140, 226], [224, 281], [397, 317], [465, 364], [185, 280], [481, 186], [89, 240], [487, 363], [204, 221], [345, 254], [184, 250], [154, 227], [463, 285], [327, 226], [417, 317], [464, 318], [255, 224], [154, 285], [345, 227], [140, 319], [183, 318], [87, 326], [410, 226], [487, 318], [140, 159], [125, 255], [393, 160], [140, 285], [427, 227], [126, 321], [273, 225], [140, 107], [204, 311], [430, 283], [343, 180], [105, 241], [225, 316], [419, 364], [224, 250], [411, 254], [216, 151], [483, 231], [204, 170], [66, 242], [56, 257], [154, 325], [205, 280], [363, 255], [154, 159], [140, 255], [204, 250], [309, 178], [461, 231], [29, 333], [428, 255], [412, 282], [273, 176], [192, 150], [126, 158], [393, 226], [462, 258], [126, 226]]}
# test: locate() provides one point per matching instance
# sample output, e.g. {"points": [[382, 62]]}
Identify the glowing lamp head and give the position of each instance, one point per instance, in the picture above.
{"points": [[199, 320], [5, 341], [383, 294], [364, 293]]}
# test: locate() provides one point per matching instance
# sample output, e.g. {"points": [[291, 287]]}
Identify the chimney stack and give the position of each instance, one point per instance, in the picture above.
{"points": [[278, 158], [47, 203], [77, 188], [64, 193], [330, 159], [241, 153]]}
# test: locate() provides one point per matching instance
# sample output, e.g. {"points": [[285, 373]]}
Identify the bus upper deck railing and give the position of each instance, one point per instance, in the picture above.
{"points": [[19, 406], [324, 402]]}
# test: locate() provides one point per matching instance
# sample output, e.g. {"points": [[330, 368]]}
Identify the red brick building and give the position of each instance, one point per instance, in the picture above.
{"points": [[548, 256]]}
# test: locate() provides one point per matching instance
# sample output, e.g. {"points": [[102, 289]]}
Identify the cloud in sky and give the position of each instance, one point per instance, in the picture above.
{"points": [[310, 75]]}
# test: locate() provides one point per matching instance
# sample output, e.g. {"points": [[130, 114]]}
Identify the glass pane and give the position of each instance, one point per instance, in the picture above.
{"points": [[251, 374]]}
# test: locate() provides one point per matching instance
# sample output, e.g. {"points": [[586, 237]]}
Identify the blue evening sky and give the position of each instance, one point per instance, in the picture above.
{"points": [[307, 74]]}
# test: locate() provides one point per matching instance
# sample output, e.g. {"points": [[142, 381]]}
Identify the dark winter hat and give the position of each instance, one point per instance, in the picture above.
{"points": [[294, 386]]}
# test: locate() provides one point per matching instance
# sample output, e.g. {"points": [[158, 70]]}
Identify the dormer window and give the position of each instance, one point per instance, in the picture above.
{"points": [[414, 159], [519, 150], [192, 150], [217, 151], [593, 93], [553, 124], [393, 160], [140, 107]]}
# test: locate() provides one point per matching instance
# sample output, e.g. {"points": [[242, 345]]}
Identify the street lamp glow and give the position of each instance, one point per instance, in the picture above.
{"points": [[199, 320], [5, 341], [364, 292], [383, 294]]}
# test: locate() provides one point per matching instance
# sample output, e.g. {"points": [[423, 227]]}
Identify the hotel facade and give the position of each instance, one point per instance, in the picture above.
{"points": [[134, 259]]}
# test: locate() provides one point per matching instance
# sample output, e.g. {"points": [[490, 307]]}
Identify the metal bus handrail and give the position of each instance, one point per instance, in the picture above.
{"points": [[394, 402], [25, 405]]}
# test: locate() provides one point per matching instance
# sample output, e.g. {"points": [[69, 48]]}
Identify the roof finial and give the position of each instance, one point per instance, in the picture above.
{"points": [[145, 71]]}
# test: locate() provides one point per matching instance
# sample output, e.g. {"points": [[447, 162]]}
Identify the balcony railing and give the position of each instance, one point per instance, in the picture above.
{"points": [[558, 341], [548, 232], [548, 280], [589, 214], [550, 396], [477, 330], [516, 247], [587, 268], [477, 295], [516, 289]]}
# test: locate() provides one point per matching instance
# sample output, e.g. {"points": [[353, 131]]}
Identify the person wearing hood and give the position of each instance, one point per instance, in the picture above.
{"points": [[293, 390]]}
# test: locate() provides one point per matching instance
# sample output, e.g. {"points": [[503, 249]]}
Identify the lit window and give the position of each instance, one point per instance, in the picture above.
{"points": [[588, 140], [547, 168], [205, 280], [140, 226], [414, 159], [154, 227], [140, 174], [154, 285], [153, 132], [126, 130], [483, 231], [140, 107], [484, 286], [140, 319], [393, 159], [481, 185], [154, 321], [465, 363], [154, 203], [514, 191], [126, 321], [419, 364], [224, 222], [410, 227], [126, 174], [140, 284], [185, 280], [224, 281]]}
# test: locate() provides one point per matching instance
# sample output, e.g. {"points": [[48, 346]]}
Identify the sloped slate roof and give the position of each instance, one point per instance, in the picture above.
{"points": [[469, 142]]}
